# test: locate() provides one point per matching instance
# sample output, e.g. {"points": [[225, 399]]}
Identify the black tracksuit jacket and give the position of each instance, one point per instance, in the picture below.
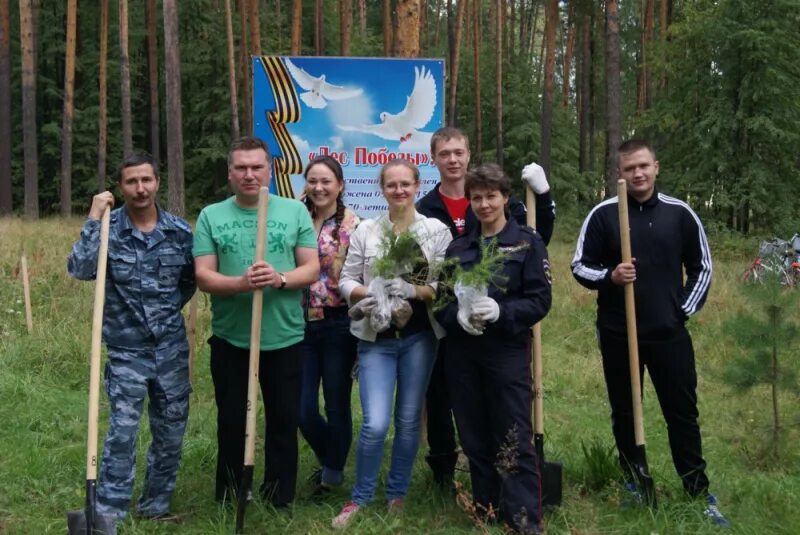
{"points": [[667, 238]]}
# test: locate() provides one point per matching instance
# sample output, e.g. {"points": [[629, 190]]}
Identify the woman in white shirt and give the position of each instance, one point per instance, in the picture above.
{"points": [[400, 357]]}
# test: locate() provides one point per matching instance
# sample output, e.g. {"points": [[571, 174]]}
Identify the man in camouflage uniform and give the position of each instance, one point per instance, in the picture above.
{"points": [[150, 278]]}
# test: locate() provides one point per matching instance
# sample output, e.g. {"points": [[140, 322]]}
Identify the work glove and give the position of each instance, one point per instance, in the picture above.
{"points": [[400, 288], [466, 324], [401, 313], [534, 176], [486, 309], [363, 308]]}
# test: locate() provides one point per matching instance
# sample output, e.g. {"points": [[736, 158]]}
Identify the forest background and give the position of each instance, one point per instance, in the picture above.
{"points": [[715, 84]]}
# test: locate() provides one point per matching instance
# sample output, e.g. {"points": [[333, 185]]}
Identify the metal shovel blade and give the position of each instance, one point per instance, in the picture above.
{"points": [[643, 477], [552, 476], [79, 523], [88, 521]]}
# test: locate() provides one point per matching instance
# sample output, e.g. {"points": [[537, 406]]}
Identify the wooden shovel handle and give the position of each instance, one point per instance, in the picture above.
{"points": [[97, 335], [255, 335], [26, 290], [538, 388], [630, 316]]}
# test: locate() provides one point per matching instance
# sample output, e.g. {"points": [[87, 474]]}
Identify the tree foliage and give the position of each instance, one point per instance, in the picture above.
{"points": [[724, 91]]}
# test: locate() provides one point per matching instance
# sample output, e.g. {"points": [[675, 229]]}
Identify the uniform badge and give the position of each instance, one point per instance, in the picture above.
{"points": [[546, 268]]}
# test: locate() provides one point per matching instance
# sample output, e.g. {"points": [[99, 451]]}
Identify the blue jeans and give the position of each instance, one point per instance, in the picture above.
{"points": [[329, 352], [405, 363]]}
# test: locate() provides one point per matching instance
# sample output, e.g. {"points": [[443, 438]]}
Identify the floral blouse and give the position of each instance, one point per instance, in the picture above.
{"points": [[325, 292]]}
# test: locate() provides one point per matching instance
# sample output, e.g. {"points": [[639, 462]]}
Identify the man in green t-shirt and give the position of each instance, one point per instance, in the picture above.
{"points": [[224, 250]]}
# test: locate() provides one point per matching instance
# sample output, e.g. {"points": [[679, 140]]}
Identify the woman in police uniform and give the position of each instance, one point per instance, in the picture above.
{"points": [[488, 354]]}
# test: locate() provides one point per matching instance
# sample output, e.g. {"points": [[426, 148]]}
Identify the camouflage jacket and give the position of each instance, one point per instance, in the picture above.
{"points": [[149, 278]]}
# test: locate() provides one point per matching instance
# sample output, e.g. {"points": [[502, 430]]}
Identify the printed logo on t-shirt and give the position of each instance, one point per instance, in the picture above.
{"points": [[460, 223]]}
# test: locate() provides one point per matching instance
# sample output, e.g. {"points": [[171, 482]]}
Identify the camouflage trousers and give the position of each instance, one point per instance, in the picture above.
{"points": [[130, 376]]}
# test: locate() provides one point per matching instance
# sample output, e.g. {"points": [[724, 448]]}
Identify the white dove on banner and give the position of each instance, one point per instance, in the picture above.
{"points": [[317, 89], [417, 113]]}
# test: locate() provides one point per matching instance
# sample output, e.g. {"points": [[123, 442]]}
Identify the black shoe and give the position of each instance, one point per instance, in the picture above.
{"points": [[443, 466]]}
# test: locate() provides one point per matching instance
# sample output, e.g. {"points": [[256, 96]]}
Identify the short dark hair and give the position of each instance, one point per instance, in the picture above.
{"points": [[399, 162], [247, 143], [446, 133], [135, 160], [633, 145], [488, 176]]}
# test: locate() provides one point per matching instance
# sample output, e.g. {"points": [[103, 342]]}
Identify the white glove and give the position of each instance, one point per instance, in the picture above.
{"points": [[486, 309], [534, 175], [463, 320], [363, 308], [400, 288]]}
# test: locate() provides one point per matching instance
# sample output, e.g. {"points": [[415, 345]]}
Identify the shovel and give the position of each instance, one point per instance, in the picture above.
{"points": [[639, 464], [89, 521], [551, 472], [252, 382]]}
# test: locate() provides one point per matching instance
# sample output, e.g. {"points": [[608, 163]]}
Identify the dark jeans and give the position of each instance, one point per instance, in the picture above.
{"points": [[670, 364], [492, 402], [440, 428], [329, 351], [280, 373]]}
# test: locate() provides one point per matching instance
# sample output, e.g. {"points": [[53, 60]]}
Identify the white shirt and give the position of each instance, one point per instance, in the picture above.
{"points": [[365, 244]]}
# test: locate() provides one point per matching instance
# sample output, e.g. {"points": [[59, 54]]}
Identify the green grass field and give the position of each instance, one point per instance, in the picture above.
{"points": [[43, 410]]}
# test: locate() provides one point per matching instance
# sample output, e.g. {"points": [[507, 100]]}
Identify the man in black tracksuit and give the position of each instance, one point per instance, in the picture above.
{"points": [[666, 238], [446, 202]]}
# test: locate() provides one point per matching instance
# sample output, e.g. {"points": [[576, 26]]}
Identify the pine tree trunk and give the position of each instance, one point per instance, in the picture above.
{"points": [[345, 25], [172, 61], [643, 78], [569, 54], [66, 121], [550, 25], [613, 111], [585, 133], [6, 200], [438, 11], [297, 26], [408, 28], [362, 15], [387, 28], [151, 16], [234, 99], [29, 143], [498, 58], [423, 21], [245, 65], [455, 54], [663, 26], [255, 28], [476, 69], [125, 80], [319, 29], [102, 121]]}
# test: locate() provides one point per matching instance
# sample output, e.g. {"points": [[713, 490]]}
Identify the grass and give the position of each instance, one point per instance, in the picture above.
{"points": [[43, 412]]}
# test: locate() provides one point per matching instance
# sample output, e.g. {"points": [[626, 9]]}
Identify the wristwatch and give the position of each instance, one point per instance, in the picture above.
{"points": [[283, 281]]}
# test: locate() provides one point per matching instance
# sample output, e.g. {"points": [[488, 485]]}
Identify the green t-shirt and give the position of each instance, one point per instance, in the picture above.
{"points": [[228, 231]]}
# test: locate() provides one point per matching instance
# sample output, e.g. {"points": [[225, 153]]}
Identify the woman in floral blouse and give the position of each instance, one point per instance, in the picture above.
{"points": [[329, 349]]}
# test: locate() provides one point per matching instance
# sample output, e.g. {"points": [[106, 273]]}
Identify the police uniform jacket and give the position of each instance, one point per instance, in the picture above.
{"points": [[149, 278], [522, 291], [667, 238]]}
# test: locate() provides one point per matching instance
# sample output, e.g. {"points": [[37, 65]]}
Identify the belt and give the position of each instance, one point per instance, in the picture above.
{"points": [[393, 333]]}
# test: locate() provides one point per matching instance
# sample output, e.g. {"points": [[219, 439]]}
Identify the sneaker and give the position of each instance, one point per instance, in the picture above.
{"points": [[713, 512], [346, 515], [394, 506], [632, 496]]}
